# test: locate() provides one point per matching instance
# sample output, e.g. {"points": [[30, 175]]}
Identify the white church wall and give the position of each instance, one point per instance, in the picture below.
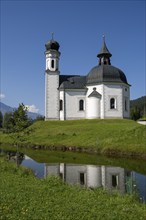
{"points": [[62, 112], [94, 106], [51, 170], [52, 96], [113, 91], [113, 178], [94, 176], [73, 173], [71, 99], [126, 101]]}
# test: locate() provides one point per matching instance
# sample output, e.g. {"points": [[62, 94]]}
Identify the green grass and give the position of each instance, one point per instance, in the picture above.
{"points": [[22, 196], [142, 119], [122, 137]]}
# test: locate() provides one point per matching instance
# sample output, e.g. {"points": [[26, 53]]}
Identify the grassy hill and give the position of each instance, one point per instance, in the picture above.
{"points": [[115, 137]]}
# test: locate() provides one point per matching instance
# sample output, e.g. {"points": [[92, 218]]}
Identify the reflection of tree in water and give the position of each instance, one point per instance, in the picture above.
{"points": [[130, 183], [17, 157]]}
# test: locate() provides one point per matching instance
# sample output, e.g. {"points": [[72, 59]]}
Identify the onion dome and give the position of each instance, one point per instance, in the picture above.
{"points": [[52, 44], [106, 73]]}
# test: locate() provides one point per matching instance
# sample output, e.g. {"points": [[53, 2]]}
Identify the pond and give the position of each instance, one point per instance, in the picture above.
{"points": [[105, 174]]}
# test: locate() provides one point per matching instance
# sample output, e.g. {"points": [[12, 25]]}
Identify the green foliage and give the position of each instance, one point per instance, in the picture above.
{"points": [[8, 122], [140, 104], [21, 120], [135, 113], [39, 118], [25, 197], [16, 121], [1, 119]]}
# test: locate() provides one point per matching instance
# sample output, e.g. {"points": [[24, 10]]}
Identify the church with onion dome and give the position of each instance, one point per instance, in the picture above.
{"points": [[102, 93]]}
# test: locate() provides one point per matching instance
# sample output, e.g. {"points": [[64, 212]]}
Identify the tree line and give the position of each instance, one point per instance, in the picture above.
{"points": [[138, 108]]}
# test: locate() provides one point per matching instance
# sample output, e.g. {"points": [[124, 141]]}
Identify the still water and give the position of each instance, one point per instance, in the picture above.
{"points": [[106, 176]]}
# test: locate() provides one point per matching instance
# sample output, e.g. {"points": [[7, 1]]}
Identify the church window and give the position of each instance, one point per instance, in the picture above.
{"points": [[115, 180], [81, 105], [61, 105], [112, 103], [52, 63], [82, 178]]}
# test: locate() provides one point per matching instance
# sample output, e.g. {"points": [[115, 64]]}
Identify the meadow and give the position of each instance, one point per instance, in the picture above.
{"points": [[112, 137], [23, 196]]}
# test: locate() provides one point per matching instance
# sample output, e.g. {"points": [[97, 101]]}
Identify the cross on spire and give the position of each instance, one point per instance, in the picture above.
{"points": [[52, 35], [103, 37]]}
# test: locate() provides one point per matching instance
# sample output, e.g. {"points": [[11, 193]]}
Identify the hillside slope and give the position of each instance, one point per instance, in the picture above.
{"points": [[111, 136]]}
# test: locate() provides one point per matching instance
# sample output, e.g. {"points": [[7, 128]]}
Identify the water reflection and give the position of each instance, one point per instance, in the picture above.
{"points": [[92, 176], [14, 156]]}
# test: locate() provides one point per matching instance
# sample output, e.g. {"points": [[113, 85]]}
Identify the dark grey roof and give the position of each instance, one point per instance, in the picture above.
{"points": [[52, 45], [95, 94], [106, 73], [72, 82], [104, 51]]}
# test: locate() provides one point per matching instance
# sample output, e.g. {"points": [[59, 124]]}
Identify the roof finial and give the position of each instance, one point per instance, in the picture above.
{"points": [[103, 37], [52, 36]]}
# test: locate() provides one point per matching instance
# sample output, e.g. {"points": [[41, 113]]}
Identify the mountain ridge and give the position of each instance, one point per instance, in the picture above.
{"points": [[6, 108]]}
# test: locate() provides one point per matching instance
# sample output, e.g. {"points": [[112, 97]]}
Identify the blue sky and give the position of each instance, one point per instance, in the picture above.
{"points": [[78, 26]]}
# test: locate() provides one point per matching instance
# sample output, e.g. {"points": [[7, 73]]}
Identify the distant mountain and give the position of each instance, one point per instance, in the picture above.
{"points": [[5, 108], [140, 103]]}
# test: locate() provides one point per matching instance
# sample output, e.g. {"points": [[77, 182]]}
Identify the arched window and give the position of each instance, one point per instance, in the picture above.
{"points": [[81, 105], [61, 105], [112, 103], [52, 63]]}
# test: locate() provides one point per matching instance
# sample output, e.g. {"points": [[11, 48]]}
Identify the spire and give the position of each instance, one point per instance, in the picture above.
{"points": [[52, 36], [104, 54]]}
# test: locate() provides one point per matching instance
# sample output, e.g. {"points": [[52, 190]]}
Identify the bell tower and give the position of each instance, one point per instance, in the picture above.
{"points": [[52, 80], [104, 54]]}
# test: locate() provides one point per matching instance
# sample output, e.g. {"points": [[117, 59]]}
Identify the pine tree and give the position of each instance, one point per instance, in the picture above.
{"points": [[1, 119]]}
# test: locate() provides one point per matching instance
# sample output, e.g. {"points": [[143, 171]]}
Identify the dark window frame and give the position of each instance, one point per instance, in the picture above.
{"points": [[112, 103], [52, 64], [81, 105], [61, 105]]}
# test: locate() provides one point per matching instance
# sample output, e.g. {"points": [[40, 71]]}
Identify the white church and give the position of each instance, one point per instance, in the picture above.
{"points": [[103, 93]]}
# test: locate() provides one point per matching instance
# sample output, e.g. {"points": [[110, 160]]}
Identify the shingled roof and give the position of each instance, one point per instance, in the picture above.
{"points": [[72, 82]]}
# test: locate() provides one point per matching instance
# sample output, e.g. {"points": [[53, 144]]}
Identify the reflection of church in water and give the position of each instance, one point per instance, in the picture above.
{"points": [[92, 176]]}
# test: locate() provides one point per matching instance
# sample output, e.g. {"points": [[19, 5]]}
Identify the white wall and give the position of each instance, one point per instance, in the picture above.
{"points": [[94, 106], [52, 96], [108, 172], [116, 92], [126, 96], [71, 100], [94, 176]]}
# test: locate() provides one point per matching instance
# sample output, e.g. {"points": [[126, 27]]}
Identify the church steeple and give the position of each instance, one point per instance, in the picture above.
{"points": [[104, 54]]}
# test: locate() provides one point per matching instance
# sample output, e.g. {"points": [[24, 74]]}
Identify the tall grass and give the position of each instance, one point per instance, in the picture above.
{"points": [[25, 197], [106, 136]]}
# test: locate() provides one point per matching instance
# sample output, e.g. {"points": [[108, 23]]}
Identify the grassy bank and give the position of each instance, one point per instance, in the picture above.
{"points": [[116, 137], [25, 197]]}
